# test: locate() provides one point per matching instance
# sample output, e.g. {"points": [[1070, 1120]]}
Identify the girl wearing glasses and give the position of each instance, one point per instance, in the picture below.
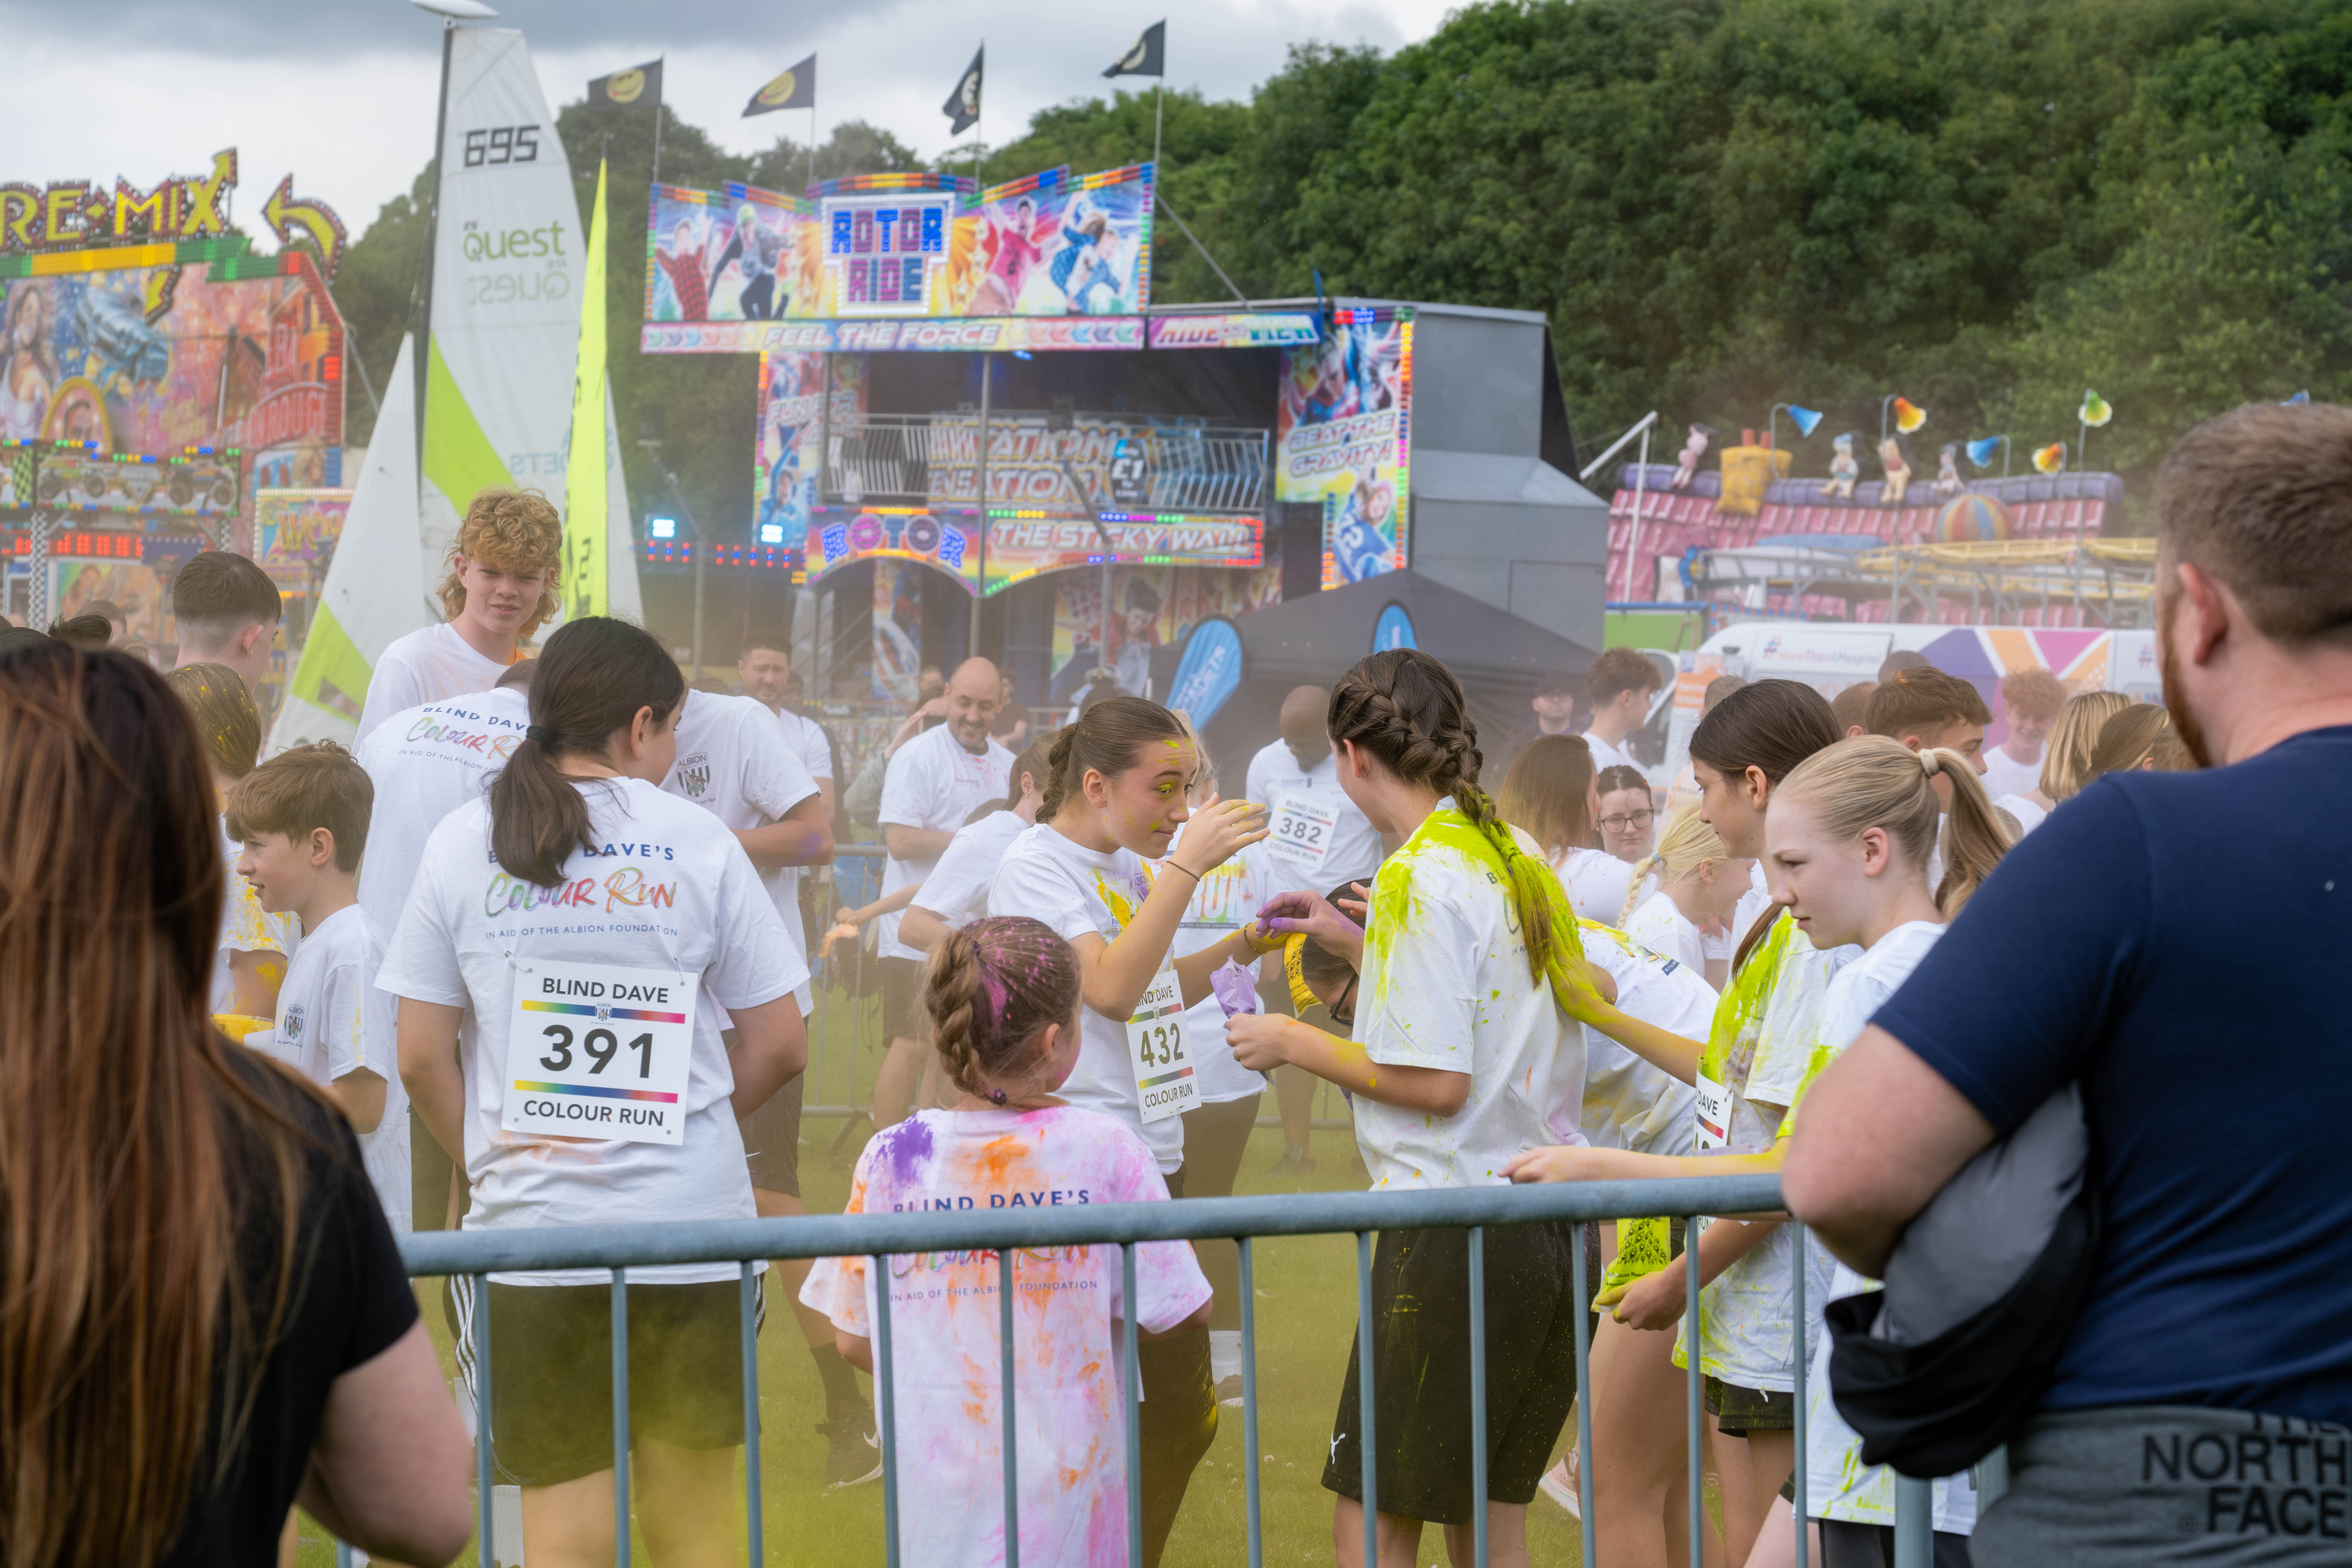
{"points": [[1628, 819]]}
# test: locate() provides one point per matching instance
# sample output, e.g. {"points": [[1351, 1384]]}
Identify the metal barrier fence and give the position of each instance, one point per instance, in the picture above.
{"points": [[1244, 1219]]}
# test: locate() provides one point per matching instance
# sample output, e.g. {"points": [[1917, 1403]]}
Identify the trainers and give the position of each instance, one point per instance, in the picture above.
{"points": [[1294, 1162], [1559, 1485], [853, 1454], [1229, 1390]]}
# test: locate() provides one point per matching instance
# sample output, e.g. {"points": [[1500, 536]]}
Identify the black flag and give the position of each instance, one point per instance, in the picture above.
{"points": [[796, 89], [962, 107], [1147, 55], [639, 86]]}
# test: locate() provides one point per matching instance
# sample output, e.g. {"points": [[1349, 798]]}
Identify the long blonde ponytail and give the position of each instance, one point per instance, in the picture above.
{"points": [[1873, 781]]}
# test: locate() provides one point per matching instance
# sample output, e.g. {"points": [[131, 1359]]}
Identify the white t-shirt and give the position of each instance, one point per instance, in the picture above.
{"points": [[807, 741], [1597, 883], [667, 888], [1627, 1102], [1074, 890], [1445, 984], [1606, 756], [1355, 854], [1837, 1484], [932, 782], [734, 762], [424, 667], [425, 763], [1769, 1035], [1659, 924], [2028, 814], [2003, 776], [1228, 898], [246, 927], [332, 1022], [946, 1354], [957, 889]]}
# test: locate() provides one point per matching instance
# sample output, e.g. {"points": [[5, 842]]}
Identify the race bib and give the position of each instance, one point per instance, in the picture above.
{"points": [[1714, 1113], [1164, 1083], [595, 1051], [1302, 831]]}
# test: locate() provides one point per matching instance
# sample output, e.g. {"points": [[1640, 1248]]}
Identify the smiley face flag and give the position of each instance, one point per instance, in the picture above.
{"points": [[639, 86], [1147, 55], [796, 89]]}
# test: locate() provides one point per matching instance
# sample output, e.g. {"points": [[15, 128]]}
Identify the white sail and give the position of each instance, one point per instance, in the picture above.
{"points": [[375, 587], [621, 596], [508, 253]]}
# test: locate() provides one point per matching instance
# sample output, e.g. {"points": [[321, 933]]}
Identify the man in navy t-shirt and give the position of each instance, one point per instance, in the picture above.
{"points": [[2176, 943]]}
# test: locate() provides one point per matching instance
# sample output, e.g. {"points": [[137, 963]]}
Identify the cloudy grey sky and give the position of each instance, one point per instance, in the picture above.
{"points": [[341, 93]]}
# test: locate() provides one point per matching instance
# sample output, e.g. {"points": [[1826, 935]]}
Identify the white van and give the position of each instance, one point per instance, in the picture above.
{"points": [[1829, 656]]}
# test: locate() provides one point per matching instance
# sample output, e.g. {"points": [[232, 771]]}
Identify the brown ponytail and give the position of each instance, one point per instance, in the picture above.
{"points": [[594, 676], [1405, 708], [992, 988], [1107, 740]]}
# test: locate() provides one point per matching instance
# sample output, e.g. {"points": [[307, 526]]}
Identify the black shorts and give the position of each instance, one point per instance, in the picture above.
{"points": [[1421, 1349], [902, 998], [1738, 1411], [552, 1375], [771, 1140]]}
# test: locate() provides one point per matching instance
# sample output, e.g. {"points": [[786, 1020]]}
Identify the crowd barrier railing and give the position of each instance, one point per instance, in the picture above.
{"points": [[619, 1248]]}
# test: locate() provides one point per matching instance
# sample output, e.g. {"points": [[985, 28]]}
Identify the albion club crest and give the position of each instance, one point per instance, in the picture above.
{"points": [[694, 774]]}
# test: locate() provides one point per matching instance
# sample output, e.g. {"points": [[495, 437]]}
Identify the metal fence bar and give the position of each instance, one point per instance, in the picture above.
{"points": [[1578, 1274], [1012, 1441], [747, 1304], [1803, 1340], [621, 1417], [484, 1487], [439, 1252], [886, 1404], [1365, 1424], [1478, 1393], [1134, 1402], [1693, 1380], [1915, 1523], [1249, 1401]]}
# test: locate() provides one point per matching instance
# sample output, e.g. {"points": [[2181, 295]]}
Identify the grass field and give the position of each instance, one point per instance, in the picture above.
{"points": [[1306, 1321]]}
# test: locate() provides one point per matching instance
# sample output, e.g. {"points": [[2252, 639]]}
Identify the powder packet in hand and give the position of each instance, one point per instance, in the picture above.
{"points": [[1235, 991]]}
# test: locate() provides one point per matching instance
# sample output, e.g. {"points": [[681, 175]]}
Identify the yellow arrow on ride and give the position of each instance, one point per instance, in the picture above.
{"points": [[316, 219]]}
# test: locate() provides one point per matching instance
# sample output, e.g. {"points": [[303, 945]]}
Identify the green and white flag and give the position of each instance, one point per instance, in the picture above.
{"points": [[508, 261], [375, 588]]}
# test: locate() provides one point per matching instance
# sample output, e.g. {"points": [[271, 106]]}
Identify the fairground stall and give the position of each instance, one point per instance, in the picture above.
{"points": [[977, 432], [164, 389]]}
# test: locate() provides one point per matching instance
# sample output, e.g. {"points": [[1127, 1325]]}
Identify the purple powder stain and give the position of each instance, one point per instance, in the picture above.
{"points": [[1235, 992], [907, 1147]]}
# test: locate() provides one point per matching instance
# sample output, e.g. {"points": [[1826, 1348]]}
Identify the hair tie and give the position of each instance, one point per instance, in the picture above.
{"points": [[540, 734], [1927, 761], [996, 1095]]}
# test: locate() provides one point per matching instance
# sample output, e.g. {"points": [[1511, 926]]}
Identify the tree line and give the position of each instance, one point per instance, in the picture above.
{"points": [[1985, 205]]}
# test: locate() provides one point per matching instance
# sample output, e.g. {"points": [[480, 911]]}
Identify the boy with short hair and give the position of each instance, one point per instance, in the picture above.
{"points": [[226, 611], [301, 818], [1927, 709], [1621, 683], [2032, 699]]}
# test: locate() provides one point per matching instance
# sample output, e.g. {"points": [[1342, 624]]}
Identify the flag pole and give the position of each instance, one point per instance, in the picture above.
{"points": [[658, 119], [433, 230]]}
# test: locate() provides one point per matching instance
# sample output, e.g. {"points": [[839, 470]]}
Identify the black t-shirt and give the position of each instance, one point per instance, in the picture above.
{"points": [[2176, 943], [351, 1301]]}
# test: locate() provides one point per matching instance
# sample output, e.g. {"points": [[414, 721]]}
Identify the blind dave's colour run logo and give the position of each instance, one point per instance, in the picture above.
{"points": [[626, 887]]}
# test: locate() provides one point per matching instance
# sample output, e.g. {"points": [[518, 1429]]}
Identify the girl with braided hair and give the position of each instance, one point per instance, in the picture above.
{"points": [[1004, 999], [1459, 1044]]}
